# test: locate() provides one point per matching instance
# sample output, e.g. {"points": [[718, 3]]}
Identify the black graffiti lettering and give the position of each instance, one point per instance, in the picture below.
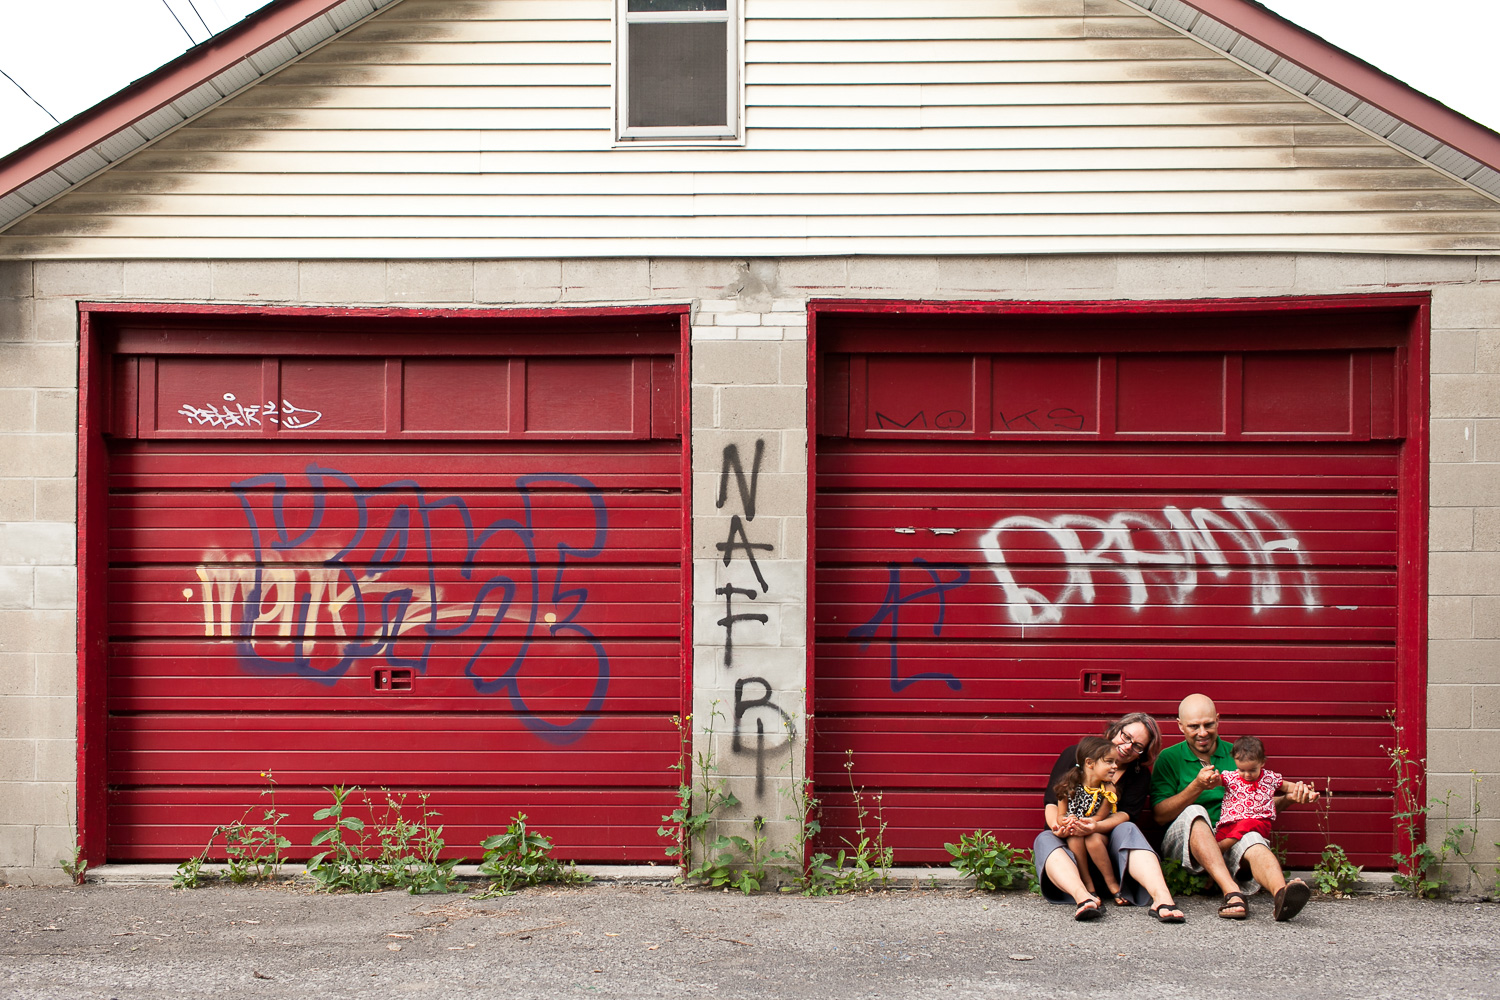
{"points": [[747, 492], [1066, 418], [1011, 422], [727, 623], [729, 547], [1059, 418], [890, 423], [950, 420], [742, 705]]}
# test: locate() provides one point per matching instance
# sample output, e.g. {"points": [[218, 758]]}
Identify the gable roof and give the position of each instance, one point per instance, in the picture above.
{"points": [[1342, 83], [187, 86], [209, 75]]}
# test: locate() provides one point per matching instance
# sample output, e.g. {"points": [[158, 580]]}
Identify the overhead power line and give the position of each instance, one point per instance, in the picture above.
{"points": [[29, 97], [200, 19], [179, 22]]}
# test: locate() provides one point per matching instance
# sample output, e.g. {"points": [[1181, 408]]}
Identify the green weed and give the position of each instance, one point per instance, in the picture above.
{"points": [[993, 864], [519, 857], [253, 852]]}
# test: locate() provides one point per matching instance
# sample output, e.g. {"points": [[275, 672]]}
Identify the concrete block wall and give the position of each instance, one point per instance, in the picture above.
{"points": [[38, 583], [748, 391], [1463, 705]]}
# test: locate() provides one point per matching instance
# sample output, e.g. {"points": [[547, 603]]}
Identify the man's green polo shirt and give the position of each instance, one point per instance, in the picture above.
{"points": [[1176, 768]]}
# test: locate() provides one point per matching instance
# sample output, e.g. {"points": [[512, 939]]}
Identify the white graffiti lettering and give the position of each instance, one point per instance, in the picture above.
{"points": [[1182, 542], [313, 605], [236, 414]]}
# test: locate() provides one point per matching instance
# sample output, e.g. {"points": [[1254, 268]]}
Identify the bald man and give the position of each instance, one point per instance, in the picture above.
{"points": [[1187, 790]]}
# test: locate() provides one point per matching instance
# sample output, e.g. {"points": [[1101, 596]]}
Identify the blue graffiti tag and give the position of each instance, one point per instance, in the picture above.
{"points": [[415, 513], [889, 613]]}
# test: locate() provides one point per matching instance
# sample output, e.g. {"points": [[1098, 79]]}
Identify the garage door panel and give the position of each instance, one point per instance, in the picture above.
{"points": [[437, 752], [177, 528], [992, 678], [184, 675], [919, 822], [985, 597], [1007, 467], [495, 620], [436, 467], [603, 825], [1089, 602], [413, 602], [1002, 752]]}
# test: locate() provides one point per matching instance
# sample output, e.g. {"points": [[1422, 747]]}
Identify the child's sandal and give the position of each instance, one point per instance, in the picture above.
{"points": [[1122, 900]]}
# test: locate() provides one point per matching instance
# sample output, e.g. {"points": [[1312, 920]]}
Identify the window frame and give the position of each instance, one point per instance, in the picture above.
{"points": [[732, 131]]}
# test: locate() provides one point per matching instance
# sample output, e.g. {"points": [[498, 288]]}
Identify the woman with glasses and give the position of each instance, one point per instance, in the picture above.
{"points": [[1136, 738]]}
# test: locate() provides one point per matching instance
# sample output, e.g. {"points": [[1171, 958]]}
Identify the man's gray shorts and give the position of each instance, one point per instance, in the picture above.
{"points": [[1174, 844]]}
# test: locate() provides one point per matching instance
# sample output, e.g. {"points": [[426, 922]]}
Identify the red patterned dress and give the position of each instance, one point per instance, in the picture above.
{"points": [[1248, 805]]}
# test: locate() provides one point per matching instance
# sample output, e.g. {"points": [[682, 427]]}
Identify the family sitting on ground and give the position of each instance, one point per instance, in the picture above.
{"points": [[1211, 801]]}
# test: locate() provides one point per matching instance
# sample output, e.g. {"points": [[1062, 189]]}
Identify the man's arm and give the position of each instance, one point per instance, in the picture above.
{"points": [[1170, 808]]}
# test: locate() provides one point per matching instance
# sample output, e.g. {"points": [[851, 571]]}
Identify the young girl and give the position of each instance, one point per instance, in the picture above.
{"points": [[1249, 793], [1088, 791]]}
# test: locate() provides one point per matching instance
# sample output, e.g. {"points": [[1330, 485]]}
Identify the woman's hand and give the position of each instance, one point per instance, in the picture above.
{"points": [[1082, 826]]}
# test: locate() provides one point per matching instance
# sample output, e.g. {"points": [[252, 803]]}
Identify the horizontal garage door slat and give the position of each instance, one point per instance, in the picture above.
{"points": [[604, 823], [184, 675], [982, 605], [439, 466]]}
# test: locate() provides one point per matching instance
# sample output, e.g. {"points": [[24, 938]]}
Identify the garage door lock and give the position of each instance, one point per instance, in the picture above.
{"points": [[1096, 682], [393, 679]]}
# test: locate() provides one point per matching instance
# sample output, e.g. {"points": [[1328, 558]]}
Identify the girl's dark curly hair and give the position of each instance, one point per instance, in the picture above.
{"points": [[1089, 748]]}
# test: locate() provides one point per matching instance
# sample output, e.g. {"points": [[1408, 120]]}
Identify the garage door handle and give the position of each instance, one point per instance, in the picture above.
{"points": [[394, 679]]}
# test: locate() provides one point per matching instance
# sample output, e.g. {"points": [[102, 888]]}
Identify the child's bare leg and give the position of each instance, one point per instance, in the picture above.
{"points": [[1079, 848], [1098, 848], [1225, 842]]}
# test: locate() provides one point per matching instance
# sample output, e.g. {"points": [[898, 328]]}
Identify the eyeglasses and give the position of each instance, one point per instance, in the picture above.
{"points": [[1128, 742]]}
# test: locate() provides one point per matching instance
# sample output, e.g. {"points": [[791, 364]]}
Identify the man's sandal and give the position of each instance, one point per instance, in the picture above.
{"points": [[1167, 913], [1120, 899], [1234, 901], [1088, 910], [1290, 899]]}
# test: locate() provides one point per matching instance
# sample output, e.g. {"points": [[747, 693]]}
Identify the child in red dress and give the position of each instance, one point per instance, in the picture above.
{"points": [[1249, 793]]}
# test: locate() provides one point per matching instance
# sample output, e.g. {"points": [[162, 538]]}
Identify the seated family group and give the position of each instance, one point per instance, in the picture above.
{"points": [[1211, 803]]}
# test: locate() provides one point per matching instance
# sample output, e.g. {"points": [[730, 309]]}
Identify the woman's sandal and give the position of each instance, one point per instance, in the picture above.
{"points": [[1167, 913], [1088, 910], [1233, 900], [1120, 899]]}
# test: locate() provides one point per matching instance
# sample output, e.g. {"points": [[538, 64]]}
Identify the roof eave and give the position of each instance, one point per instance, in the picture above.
{"points": [[1324, 59], [158, 89]]}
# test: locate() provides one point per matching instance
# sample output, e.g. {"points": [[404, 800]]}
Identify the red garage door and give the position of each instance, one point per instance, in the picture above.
{"points": [[446, 564], [1029, 527]]}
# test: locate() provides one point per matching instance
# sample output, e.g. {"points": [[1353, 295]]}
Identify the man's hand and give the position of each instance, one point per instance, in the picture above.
{"points": [[1301, 793], [1208, 777]]}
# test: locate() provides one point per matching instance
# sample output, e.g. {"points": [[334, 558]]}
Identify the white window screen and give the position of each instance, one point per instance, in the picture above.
{"points": [[678, 71]]}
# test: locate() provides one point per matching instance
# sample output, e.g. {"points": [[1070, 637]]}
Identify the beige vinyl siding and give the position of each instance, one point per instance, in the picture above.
{"points": [[484, 129]]}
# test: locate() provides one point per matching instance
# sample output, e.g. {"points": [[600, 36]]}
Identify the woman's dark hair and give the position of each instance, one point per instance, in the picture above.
{"points": [[1089, 748], [1153, 741], [1248, 748]]}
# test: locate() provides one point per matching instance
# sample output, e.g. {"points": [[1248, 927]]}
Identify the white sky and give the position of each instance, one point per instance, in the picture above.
{"points": [[71, 54]]}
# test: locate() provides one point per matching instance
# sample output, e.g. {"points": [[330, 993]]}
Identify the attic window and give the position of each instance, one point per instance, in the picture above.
{"points": [[677, 70]]}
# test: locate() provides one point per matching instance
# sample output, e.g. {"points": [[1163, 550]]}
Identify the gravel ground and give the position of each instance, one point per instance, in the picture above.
{"points": [[633, 940]]}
